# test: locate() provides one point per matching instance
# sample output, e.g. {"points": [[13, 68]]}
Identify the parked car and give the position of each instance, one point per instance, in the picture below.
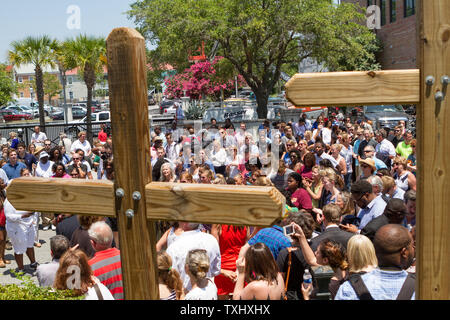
{"points": [[165, 104], [96, 117], [14, 115], [385, 116], [77, 113], [22, 109]]}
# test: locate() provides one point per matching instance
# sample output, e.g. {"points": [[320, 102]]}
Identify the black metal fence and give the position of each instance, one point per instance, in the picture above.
{"points": [[24, 131]]}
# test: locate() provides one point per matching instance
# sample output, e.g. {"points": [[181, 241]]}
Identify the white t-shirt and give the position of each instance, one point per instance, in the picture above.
{"points": [[38, 139], [92, 294], [85, 146], [326, 136], [44, 170], [207, 293]]}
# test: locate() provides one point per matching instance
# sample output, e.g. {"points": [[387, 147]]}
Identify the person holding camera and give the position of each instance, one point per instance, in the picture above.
{"points": [[291, 261]]}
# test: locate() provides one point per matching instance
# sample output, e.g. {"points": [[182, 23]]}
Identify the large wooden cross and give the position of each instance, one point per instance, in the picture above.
{"points": [[201, 203], [133, 198], [433, 132]]}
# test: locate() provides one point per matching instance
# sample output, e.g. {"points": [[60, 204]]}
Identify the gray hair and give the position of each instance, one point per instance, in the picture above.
{"points": [[376, 181], [101, 233], [170, 166], [369, 147], [59, 244]]}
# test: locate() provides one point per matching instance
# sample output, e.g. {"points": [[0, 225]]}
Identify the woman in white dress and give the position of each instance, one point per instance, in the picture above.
{"points": [[20, 229]]}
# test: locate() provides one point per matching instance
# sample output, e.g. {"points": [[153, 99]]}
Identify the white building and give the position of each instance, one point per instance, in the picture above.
{"points": [[76, 89]]}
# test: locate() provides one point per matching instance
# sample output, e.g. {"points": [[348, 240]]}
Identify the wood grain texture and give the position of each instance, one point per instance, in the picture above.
{"points": [[354, 88], [205, 203], [433, 137], [75, 196], [127, 77]]}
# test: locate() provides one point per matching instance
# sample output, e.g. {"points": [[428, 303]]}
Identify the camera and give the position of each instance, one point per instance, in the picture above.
{"points": [[288, 230]]}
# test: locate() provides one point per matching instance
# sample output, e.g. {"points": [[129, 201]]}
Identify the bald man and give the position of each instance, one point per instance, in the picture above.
{"points": [[106, 264], [394, 247]]}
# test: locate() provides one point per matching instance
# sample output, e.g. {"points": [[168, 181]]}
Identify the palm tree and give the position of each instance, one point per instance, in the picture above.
{"points": [[62, 63], [87, 53], [39, 51]]}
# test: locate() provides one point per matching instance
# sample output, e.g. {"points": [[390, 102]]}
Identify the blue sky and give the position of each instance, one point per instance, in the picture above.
{"points": [[22, 18]]}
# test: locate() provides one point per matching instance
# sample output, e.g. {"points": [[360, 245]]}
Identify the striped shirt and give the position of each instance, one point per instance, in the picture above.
{"points": [[107, 267]]}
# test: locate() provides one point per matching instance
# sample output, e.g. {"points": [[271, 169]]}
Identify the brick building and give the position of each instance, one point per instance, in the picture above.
{"points": [[398, 32]]}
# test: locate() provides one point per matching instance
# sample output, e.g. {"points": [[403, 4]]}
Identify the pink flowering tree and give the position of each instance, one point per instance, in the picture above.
{"points": [[202, 80]]}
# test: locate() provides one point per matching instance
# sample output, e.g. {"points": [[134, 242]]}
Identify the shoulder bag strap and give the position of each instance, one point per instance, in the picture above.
{"points": [[360, 288], [288, 270], [97, 290], [408, 287]]}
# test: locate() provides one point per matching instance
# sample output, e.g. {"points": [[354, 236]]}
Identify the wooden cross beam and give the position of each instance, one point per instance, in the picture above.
{"points": [[257, 206], [433, 132]]}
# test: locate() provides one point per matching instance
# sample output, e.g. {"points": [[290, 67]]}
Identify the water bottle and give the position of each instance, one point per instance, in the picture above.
{"points": [[307, 279]]}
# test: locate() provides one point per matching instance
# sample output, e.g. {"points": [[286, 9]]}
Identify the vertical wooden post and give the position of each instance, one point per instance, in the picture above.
{"points": [[433, 135], [127, 79]]}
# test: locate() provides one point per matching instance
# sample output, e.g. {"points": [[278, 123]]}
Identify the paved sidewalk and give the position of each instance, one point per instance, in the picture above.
{"points": [[42, 255]]}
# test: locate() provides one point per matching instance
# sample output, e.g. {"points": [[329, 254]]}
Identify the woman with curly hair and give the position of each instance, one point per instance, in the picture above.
{"points": [[167, 173], [170, 284], [328, 252]]}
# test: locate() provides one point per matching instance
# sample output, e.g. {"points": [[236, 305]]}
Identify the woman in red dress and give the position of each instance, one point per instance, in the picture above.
{"points": [[231, 239]]}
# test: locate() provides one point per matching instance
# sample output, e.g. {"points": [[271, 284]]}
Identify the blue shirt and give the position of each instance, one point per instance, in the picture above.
{"points": [[379, 164], [13, 171], [273, 238], [28, 159], [374, 209], [382, 285]]}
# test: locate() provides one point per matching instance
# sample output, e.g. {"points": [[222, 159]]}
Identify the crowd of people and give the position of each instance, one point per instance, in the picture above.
{"points": [[350, 193]]}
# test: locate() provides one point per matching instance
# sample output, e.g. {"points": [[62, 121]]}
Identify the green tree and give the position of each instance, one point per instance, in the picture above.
{"points": [[8, 87], [52, 85], [39, 51], [258, 37], [87, 53]]}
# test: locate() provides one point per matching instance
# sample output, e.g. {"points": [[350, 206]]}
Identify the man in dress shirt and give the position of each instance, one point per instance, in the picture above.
{"points": [[371, 205], [385, 150]]}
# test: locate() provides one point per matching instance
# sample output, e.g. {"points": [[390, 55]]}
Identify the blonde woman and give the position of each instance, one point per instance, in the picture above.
{"points": [[361, 255], [197, 267], [330, 183], [220, 179], [404, 178], [314, 186], [170, 284], [335, 153], [263, 181]]}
